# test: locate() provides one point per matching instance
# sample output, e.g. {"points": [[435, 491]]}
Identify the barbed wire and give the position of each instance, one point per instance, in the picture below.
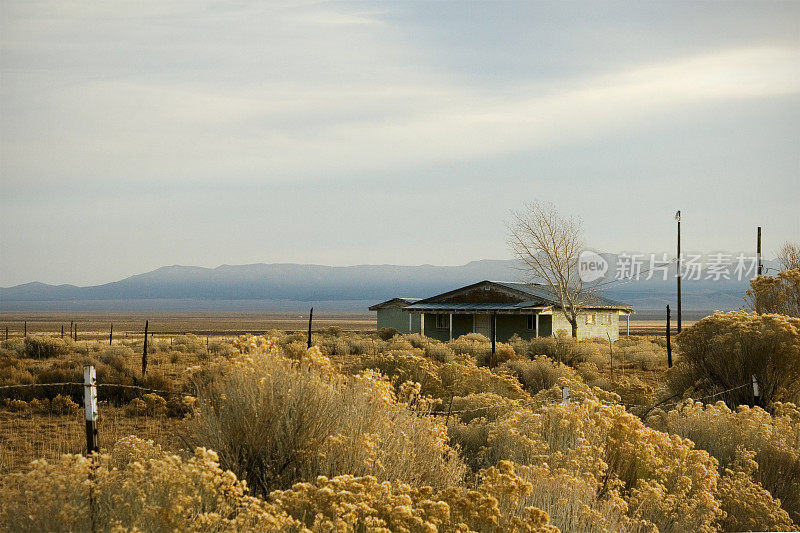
{"points": [[66, 383], [509, 404]]}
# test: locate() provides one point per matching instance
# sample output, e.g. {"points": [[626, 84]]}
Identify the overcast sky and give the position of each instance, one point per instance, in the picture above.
{"points": [[142, 134]]}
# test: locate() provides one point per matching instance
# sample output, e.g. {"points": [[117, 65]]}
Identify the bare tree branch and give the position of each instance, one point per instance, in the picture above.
{"points": [[549, 246]]}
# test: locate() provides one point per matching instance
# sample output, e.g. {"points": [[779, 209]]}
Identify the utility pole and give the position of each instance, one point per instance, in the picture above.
{"points": [[678, 218], [758, 251]]}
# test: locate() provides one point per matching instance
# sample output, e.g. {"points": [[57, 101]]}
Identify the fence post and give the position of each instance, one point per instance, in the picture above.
{"points": [[111, 334], [449, 407], [565, 393], [669, 344], [25, 330], [62, 331], [494, 333], [310, 318], [90, 407], [756, 392], [76, 332], [144, 350]]}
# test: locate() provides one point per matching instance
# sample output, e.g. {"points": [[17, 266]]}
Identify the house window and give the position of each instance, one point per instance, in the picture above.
{"points": [[590, 318], [605, 319], [442, 321], [531, 322]]}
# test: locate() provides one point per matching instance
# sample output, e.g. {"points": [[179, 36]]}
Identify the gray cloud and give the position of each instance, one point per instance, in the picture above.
{"points": [[314, 132]]}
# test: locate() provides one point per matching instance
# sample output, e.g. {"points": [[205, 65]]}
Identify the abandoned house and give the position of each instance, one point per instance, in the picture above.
{"points": [[525, 309]]}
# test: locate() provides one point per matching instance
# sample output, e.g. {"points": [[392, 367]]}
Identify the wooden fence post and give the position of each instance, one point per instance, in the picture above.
{"points": [[90, 407], [144, 350], [449, 408], [310, 318], [669, 343], [111, 334], [76, 332], [25, 329], [62, 331], [494, 336]]}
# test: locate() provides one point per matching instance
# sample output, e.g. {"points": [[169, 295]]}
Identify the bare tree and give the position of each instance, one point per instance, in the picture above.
{"points": [[550, 245], [789, 255]]}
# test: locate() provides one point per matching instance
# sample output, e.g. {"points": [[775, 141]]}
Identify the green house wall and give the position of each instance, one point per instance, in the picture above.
{"points": [[507, 326], [606, 324], [398, 319]]}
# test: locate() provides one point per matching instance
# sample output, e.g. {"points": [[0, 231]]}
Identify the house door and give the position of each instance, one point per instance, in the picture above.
{"points": [[482, 325]]}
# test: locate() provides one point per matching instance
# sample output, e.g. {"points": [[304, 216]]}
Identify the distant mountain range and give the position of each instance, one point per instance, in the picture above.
{"points": [[287, 286]]}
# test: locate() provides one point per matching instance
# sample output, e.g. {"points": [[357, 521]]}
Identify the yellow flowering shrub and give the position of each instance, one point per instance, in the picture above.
{"points": [[463, 376], [349, 503], [725, 350], [275, 421], [136, 487], [747, 505], [403, 367], [778, 294], [539, 373], [665, 480], [723, 432]]}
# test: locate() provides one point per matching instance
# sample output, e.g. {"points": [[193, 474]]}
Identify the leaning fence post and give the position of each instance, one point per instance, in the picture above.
{"points": [[756, 392], [449, 407], [90, 407], [565, 393]]}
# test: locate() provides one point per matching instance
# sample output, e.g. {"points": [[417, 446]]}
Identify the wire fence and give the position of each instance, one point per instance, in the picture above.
{"points": [[522, 402], [99, 385]]}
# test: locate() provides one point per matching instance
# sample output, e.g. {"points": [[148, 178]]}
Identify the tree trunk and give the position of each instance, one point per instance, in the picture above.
{"points": [[574, 323]]}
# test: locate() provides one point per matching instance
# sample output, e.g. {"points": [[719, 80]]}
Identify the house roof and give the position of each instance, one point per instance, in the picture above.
{"points": [[394, 303], [516, 298], [527, 306], [543, 291]]}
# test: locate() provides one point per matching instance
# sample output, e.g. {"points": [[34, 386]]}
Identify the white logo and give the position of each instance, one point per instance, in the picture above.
{"points": [[591, 266]]}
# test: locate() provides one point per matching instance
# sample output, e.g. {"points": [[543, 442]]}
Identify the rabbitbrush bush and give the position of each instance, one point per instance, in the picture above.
{"points": [[726, 434], [137, 487], [275, 421], [625, 475], [725, 350]]}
